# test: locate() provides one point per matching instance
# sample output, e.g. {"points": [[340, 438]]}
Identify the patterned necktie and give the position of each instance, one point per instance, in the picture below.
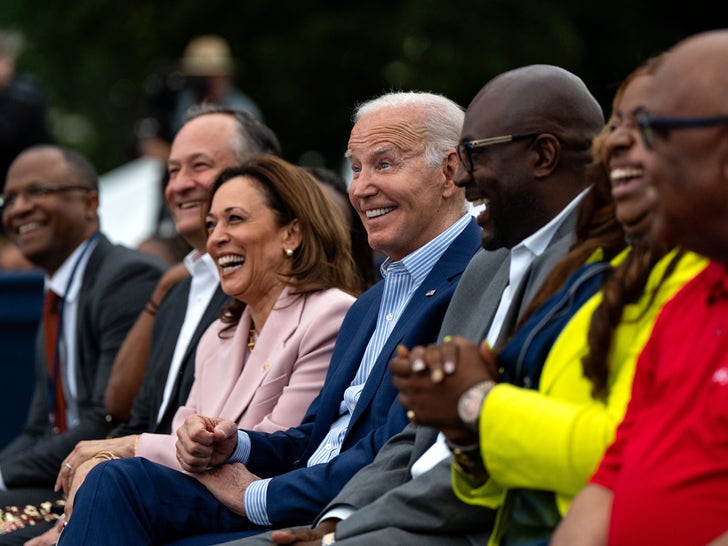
{"points": [[50, 327]]}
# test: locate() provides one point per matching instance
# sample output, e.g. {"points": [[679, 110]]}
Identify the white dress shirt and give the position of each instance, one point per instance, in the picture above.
{"points": [[205, 279]]}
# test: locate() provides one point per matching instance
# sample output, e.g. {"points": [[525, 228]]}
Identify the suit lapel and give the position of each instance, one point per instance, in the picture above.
{"points": [[491, 296], [173, 326], [353, 338], [212, 312], [356, 340], [447, 269], [282, 322], [536, 274], [86, 301], [89, 275]]}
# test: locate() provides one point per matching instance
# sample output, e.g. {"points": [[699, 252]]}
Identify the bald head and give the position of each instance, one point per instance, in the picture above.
{"points": [[693, 77], [543, 98], [529, 180]]}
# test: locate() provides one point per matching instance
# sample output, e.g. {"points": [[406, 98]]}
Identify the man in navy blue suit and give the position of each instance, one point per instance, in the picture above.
{"points": [[403, 157]]}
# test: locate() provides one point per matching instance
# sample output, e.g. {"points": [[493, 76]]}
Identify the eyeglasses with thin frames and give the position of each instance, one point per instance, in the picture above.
{"points": [[654, 127], [465, 149], [33, 192]]}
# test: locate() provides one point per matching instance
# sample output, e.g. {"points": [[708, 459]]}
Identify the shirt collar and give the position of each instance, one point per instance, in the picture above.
{"points": [[198, 263], [58, 282], [419, 263], [538, 242]]}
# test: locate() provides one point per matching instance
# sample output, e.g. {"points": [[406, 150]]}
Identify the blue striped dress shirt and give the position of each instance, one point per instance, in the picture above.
{"points": [[401, 280]]}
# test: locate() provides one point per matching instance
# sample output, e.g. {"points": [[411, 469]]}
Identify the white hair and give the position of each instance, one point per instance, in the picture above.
{"points": [[443, 119]]}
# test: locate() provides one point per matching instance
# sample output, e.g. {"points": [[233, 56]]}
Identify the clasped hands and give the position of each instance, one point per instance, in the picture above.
{"points": [[431, 380], [203, 445]]}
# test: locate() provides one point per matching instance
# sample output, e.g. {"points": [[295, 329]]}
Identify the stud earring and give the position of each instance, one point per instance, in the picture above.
{"points": [[289, 252]]}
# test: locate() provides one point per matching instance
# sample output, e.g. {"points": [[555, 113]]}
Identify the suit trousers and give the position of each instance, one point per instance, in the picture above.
{"points": [[134, 514]]}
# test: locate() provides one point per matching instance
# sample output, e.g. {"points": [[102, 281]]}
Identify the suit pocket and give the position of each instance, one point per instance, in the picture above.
{"points": [[270, 389]]}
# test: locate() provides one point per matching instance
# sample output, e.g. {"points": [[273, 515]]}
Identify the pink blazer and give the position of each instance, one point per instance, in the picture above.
{"points": [[270, 388]]}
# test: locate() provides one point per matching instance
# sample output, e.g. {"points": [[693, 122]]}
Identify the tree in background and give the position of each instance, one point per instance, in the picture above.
{"points": [[307, 63]]}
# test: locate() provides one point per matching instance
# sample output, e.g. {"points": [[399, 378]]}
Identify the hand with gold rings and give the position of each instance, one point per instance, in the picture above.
{"points": [[431, 379]]}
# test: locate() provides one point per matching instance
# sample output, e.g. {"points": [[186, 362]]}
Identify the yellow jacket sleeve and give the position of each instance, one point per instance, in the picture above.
{"points": [[552, 439]]}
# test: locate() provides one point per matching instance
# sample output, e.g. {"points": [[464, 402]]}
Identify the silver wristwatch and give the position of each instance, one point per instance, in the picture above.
{"points": [[471, 401]]}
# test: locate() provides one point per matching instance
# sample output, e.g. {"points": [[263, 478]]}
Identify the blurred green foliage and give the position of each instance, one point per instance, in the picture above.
{"points": [[306, 64]]}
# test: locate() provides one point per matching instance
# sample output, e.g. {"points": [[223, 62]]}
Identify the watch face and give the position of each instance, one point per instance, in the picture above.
{"points": [[469, 407], [471, 401]]}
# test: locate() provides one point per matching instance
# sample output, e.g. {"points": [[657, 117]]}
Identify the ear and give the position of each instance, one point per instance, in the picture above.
{"points": [[450, 166], [292, 236], [91, 204], [548, 154]]}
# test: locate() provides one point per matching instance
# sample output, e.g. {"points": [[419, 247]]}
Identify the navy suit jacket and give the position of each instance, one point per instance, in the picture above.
{"points": [[296, 493]]}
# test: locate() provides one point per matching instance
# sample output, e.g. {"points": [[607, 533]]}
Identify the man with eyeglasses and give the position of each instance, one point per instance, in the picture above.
{"points": [[94, 291], [664, 480], [524, 148], [162, 344]]}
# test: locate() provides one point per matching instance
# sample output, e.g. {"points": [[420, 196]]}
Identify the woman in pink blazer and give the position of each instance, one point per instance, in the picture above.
{"points": [[283, 254]]}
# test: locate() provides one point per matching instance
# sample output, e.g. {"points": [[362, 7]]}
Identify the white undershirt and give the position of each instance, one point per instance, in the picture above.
{"points": [[205, 279]]}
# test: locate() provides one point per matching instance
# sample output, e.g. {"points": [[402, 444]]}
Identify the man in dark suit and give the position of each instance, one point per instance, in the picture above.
{"points": [[163, 343], [402, 152], [50, 211], [532, 183], [212, 139]]}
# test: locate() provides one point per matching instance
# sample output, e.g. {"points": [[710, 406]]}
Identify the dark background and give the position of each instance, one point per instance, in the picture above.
{"points": [[306, 64]]}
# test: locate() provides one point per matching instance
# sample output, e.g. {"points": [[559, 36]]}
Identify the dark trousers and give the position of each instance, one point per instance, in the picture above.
{"points": [[137, 502]]}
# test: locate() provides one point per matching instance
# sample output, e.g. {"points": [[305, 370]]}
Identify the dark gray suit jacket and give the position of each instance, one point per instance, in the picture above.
{"points": [[167, 326], [392, 508], [116, 284]]}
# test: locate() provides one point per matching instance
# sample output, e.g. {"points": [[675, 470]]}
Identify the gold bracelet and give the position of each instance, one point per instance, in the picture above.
{"points": [[136, 442], [106, 455], [328, 539]]}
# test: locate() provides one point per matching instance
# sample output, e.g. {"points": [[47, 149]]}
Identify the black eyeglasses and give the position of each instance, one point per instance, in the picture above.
{"points": [[652, 127], [37, 191], [465, 149]]}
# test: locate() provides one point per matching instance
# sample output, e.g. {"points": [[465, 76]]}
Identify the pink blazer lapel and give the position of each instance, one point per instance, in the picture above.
{"points": [[270, 349]]}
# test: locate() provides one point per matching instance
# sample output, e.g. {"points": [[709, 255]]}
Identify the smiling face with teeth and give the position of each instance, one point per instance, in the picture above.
{"points": [[402, 201], [633, 195], [202, 148], [247, 243], [48, 228], [527, 181]]}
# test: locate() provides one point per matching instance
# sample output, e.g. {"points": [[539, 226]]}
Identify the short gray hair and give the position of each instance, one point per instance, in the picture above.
{"points": [[443, 119], [254, 137]]}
